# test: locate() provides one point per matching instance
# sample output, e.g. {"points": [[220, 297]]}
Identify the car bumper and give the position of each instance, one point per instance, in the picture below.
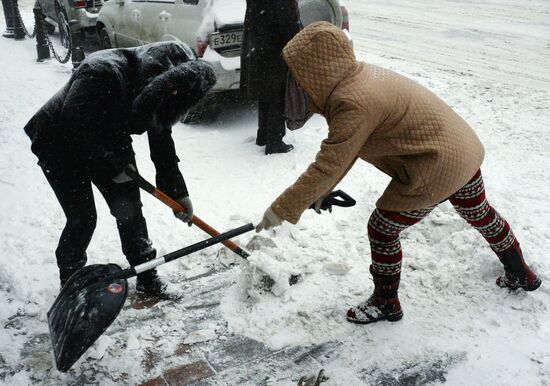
{"points": [[228, 72], [85, 18]]}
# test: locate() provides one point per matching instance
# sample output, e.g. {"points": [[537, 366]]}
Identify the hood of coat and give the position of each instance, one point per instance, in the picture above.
{"points": [[171, 80], [171, 94], [155, 58], [320, 57]]}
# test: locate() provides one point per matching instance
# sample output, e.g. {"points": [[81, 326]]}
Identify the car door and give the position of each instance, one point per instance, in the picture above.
{"points": [[173, 20], [128, 22]]}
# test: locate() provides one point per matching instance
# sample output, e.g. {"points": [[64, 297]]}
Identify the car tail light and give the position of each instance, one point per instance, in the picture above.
{"points": [[79, 4], [345, 18], [201, 47]]}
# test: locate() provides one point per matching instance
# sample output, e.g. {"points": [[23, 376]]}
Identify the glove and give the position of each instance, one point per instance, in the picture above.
{"points": [[270, 220], [185, 216], [122, 177]]}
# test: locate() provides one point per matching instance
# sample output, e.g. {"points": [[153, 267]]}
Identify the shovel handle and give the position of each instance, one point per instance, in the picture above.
{"points": [[177, 207], [187, 250]]}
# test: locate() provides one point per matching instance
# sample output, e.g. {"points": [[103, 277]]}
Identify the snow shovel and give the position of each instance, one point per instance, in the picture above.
{"points": [[93, 297], [266, 282]]}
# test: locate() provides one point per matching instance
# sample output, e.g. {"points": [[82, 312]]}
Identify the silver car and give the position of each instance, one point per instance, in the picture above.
{"points": [[58, 13], [213, 28]]}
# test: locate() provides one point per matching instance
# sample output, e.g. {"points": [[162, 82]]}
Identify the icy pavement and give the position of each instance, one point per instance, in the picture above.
{"points": [[489, 60]]}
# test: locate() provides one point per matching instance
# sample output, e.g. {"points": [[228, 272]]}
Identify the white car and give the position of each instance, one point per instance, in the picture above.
{"points": [[213, 28]]}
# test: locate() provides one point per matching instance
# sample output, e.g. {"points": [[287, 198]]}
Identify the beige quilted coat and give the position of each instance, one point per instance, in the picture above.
{"points": [[380, 117]]}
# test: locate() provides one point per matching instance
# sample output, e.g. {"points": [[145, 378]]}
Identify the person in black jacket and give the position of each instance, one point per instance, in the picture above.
{"points": [[268, 27], [81, 137]]}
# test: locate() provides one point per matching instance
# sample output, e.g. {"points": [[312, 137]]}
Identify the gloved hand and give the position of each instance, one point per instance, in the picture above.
{"points": [[270, 220], [185, 216], [122, 177]]}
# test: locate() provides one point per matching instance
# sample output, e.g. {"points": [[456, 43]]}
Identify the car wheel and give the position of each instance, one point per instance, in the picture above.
{"points": [[104, 40], [64, 30]]}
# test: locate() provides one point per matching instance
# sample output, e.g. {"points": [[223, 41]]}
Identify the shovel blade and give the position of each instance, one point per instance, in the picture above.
{"points": [[86, 306]]}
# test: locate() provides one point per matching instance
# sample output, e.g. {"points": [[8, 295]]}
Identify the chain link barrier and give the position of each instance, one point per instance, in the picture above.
{"points": [[60, 58], [25, 29]]}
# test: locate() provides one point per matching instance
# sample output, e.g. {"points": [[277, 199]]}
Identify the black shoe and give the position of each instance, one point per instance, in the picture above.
{"points": [[260, 141], [151, 284], [279, 147]]}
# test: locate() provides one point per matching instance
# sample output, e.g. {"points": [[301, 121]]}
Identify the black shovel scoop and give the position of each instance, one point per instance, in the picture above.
{"points": [[93, 297]]}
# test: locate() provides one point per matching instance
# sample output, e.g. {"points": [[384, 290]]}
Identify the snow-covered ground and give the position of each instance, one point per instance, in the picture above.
{"points": [[488, 60]]}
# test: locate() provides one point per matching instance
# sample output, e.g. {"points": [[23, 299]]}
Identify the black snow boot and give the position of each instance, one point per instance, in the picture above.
{"points": [[517, 273], [151, 284], [278, 147], [382, 305]]}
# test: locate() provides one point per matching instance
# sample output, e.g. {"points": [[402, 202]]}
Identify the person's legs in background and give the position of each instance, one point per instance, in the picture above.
{"points": [[271, 121], [263, 113]]}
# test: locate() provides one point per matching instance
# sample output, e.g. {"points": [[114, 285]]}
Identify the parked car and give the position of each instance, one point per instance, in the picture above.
{"points": [[213, 28], [59, 12]]}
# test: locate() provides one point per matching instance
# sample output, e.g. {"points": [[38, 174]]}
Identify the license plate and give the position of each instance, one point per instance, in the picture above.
{"points": [[225, 39]]}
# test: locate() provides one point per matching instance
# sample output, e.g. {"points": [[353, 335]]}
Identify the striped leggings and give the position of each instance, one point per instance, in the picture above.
{"points": [[470, 203]]}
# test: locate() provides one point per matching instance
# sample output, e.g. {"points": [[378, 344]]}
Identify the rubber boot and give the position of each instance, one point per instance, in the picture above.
{"points": [[517, 273], [383, 303]]}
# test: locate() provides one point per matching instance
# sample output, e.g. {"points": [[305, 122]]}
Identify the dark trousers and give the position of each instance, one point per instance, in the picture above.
{"points": [[271, 119], [73, 189]]}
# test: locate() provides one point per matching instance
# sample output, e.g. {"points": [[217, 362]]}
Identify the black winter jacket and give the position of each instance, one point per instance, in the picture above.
{"points": [[268, 27], [116, 93]]}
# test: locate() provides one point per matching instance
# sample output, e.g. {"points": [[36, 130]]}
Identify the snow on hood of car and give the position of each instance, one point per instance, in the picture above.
{"points": [[220, 13]]}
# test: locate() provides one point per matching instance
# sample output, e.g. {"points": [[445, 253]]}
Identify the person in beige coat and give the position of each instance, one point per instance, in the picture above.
{"points": [[406, 131]]}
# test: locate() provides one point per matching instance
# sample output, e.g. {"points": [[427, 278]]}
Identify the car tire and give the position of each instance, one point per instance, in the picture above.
{"points": [[64, 30], [104, 40]]}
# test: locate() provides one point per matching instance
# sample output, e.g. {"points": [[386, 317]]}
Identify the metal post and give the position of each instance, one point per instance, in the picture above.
{"points": [[42, 49], [77, 54], [8, 15], [18, 31]]}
